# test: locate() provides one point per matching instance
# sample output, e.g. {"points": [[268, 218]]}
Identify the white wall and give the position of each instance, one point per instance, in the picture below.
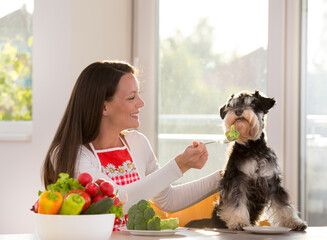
{"points": [[68, 35]]}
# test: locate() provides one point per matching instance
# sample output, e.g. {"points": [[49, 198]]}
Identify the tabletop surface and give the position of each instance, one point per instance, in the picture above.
{"points": [[311, 233]]}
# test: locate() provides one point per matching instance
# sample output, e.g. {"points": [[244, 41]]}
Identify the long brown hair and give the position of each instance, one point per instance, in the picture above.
{"points": [[81, 121]]}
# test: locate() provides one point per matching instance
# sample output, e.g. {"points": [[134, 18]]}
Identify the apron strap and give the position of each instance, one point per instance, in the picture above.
{"points": [[93, 149]]}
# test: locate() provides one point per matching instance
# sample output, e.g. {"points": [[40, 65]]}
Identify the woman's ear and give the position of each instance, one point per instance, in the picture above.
{"points": [[106, 108]]}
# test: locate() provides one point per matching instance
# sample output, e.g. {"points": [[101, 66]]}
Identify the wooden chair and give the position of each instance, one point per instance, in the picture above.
{"points": [[202, 209]]}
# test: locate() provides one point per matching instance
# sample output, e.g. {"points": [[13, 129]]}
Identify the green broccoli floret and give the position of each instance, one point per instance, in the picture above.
{"points": [[149, 213], [138, 215], [130, 224], [140, 224], [132, 212], [171, 223], [143, 205], [141, 216], [232, 135], [154, 223]]}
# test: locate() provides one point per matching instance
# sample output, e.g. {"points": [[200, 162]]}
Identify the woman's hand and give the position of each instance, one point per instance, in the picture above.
{"points": [[194, 156]]}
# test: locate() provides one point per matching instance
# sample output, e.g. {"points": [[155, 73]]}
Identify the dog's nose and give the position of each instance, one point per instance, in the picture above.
{"points": [[238, 112]]}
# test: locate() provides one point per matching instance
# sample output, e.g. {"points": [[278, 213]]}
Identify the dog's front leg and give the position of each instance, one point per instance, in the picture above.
{"points": [[282, 212], [234, 209]]}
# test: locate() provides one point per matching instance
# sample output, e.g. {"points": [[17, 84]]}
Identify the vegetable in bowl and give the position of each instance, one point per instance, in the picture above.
{"points": [[64, 184], [68, 196]]}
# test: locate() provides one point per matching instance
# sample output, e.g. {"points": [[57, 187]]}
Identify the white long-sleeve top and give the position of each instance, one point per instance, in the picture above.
{"points": [[155, 181]]}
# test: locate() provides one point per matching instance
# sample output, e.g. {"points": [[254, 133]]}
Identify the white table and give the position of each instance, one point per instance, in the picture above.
{"points": [[316, 233]]}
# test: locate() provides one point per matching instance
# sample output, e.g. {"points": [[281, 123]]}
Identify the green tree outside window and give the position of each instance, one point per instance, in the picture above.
{"points": [[15, 78]]}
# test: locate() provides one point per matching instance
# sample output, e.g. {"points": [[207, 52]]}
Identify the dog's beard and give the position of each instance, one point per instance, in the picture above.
{"points": [[248, 125]]}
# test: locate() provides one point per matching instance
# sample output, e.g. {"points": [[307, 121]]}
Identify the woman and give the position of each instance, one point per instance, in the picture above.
{"points": [[93, 137]]}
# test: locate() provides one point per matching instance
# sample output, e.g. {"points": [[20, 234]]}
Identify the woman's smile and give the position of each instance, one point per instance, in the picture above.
{"points": [[135, 115]]}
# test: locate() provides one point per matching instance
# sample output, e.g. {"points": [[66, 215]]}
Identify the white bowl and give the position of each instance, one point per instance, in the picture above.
{"points": [[74, 227]]}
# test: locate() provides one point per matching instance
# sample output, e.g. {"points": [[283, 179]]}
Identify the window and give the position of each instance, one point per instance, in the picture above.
{"points": [[16, 40], [269, 29], [204, 57], [314, 120]]}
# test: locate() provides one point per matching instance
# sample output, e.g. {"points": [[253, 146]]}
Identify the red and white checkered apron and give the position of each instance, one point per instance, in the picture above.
{"points": [[118, 165]]}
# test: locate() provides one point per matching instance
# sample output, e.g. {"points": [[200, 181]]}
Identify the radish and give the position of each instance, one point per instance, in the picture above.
{"points": [[117, 202], [92, 189], [84, 179], [107, 188], [99, 181]]}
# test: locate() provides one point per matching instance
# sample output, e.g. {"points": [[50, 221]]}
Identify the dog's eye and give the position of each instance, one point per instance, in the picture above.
{"points": [[252, 105]]}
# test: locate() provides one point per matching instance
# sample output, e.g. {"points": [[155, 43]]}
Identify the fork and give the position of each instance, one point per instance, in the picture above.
{"points": [[217, 141]]}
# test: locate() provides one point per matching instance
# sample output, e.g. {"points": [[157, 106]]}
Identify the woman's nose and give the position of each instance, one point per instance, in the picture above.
{"points": [[140, 103]]}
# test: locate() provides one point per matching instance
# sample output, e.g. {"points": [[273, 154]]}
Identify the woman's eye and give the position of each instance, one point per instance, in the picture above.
{"points": [[131, 98]]}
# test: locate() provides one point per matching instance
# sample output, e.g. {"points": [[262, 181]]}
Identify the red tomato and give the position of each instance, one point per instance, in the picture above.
{"points": [[107, 188], [98, 198], [84, 195], [84, 178], [92, 189]]}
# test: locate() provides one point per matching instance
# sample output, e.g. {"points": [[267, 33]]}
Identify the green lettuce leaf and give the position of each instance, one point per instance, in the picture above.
{"points": [[64, 184]]}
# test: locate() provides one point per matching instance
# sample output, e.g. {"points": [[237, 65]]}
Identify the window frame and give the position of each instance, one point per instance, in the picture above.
{"points": [[18, 131]]}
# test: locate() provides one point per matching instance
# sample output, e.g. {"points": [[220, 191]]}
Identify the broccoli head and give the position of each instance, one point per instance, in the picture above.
{"points": [[154, 223], [139, 215]]}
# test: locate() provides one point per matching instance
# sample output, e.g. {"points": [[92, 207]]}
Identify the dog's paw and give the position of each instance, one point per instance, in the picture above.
{"points": [[237, 226], [297, 225], [300, 226]]}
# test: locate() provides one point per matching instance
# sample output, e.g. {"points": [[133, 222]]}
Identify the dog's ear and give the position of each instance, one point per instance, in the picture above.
{"points": [[266, 104], [223, 109], [223, 112]]}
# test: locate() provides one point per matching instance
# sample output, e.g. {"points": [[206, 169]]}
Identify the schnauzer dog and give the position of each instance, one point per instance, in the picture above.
{"points": [[251, 180]]}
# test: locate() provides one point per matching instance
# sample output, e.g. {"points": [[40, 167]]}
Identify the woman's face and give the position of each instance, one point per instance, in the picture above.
{"points": [[123, 111]]}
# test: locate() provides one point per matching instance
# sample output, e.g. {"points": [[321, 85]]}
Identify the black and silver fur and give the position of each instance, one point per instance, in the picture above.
{"points": [[251, 180]]}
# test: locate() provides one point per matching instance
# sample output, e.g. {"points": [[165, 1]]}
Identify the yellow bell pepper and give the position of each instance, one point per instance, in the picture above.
{"points": [[50, 202]]}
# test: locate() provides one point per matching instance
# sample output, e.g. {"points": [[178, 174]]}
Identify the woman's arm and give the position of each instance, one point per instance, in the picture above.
{"points": [[176, 198], [145, 188], [155, 182]]}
